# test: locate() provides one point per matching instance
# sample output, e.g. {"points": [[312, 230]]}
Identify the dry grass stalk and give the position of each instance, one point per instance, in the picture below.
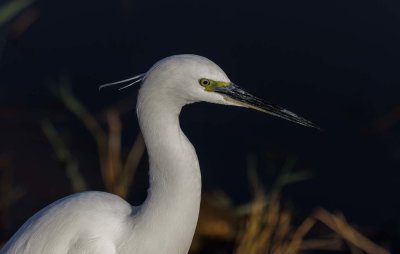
{"points": [[113, 161], [131, 165], [267, 224], [269, 230], [343, 229], [90, 123], [353, 249], [217, 221], [116, 175], [299, 234], [64, 155]]}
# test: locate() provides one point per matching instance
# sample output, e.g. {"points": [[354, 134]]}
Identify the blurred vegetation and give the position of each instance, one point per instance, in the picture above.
{"points": [[264, 226], [267, 226], [117, 172], [10, 9], [16, 16], [10, 192]]}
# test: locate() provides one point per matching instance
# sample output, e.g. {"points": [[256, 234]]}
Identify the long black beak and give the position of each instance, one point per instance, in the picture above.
{"points": [[239, 96]]}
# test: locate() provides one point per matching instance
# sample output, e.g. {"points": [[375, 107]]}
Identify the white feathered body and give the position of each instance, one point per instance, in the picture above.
{"points": [[89, 222]]}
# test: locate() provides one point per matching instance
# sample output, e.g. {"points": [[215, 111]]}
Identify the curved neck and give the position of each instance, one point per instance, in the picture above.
{"points": [[172, 205]]}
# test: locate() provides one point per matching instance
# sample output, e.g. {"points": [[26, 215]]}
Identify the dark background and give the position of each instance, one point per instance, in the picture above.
{"points": [[334, 62]]}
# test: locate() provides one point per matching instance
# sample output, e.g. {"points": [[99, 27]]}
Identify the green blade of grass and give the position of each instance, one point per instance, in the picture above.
{"points": [[11, 9]]}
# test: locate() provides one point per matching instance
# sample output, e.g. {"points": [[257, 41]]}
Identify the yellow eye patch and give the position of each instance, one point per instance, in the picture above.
{"points": [[210, 85]]}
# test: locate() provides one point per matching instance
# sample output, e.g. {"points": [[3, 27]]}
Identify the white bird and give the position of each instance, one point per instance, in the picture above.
{"points": [[102, 223]]}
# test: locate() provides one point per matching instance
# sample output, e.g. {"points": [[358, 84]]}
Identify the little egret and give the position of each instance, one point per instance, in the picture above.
{"points": [[102, 223]]}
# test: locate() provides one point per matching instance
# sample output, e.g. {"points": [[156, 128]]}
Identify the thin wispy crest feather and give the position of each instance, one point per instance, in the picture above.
{"points": [[136, 79]]}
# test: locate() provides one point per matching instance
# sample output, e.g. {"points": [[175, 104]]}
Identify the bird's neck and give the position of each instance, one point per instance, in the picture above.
{"points": [[172, 205]]}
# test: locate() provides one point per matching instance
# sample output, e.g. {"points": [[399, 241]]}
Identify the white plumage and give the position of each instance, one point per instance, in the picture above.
{"points": [[102, 223]]}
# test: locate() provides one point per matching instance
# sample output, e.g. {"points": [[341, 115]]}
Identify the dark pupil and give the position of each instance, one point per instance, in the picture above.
{"points": [[205, 82]]}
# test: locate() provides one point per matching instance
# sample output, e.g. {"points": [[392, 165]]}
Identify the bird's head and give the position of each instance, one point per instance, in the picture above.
{"points": [[192, 78]]}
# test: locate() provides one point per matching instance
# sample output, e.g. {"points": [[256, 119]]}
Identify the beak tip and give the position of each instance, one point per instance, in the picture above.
{"points": [[313, 125]]}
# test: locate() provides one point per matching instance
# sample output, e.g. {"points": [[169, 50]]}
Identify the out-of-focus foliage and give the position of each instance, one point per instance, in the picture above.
{"points": [[270, 228], [117, 174], [264, 226], [267, 226], [10, 9], [9, 192], [77, 181]]}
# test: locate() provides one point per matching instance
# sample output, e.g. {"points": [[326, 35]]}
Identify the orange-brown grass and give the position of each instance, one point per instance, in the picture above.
{"points": [[117, 174], [269, 230]]}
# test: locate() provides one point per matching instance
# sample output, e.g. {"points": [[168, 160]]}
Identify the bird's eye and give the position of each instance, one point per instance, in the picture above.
{"points": [[204, 82]]}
